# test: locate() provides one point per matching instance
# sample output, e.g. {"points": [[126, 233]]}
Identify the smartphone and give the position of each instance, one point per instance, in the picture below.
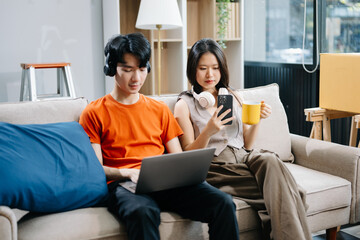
{"points": [[227, 102]]}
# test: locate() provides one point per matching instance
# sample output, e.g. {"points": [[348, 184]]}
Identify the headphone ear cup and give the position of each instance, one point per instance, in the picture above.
{"points": [[106, 70], [109, 70], [205, 99], [148, 66]]}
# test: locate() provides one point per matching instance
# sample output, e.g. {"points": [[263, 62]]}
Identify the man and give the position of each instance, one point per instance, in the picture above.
{"points": [[126, 126]]}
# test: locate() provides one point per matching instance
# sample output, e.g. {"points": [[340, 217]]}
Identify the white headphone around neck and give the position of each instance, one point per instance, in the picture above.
{"points": [[205, 98]]}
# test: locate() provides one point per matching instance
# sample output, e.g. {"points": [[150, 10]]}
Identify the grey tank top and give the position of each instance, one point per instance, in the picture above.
{"points": [[231, 135]]}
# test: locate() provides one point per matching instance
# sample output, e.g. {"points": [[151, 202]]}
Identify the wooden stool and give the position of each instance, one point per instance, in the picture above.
{"points": [[28, 81], [355, 125], [321, 123]]}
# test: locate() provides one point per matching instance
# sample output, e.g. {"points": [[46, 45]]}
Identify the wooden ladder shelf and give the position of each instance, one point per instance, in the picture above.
{"points": [[28, 81]]}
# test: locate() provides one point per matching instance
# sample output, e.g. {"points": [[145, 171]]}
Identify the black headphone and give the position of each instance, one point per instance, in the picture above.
{"points": [[110, 70], [148, 67]]}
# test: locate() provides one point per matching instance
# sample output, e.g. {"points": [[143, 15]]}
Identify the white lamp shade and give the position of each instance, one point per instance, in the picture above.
{"points": [[158, 12]]}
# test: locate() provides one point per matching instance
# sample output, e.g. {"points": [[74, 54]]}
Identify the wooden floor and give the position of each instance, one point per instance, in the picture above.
{"points": [[349, 232]]}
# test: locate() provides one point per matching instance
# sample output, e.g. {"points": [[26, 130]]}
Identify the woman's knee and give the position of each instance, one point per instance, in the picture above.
{"points": [[271, 160], [264, 162]]}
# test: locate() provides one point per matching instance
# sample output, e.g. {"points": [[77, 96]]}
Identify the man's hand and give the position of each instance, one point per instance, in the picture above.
{"points": [[130, 173]]}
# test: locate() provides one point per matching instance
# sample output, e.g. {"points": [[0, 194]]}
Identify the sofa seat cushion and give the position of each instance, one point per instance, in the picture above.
{"points": [[85, 223], [99, 223], [324, 192], [245, 211]]}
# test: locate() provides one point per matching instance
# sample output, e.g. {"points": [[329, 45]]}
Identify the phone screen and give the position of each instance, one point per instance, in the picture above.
{"points": [[227, 102]]}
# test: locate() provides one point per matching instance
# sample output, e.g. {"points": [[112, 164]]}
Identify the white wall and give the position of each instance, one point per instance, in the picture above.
{"points": [[39, 31], [255, 30], [111, 26]]}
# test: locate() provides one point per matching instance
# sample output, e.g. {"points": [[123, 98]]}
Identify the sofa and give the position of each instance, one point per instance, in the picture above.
{"points": [[327, 171]]}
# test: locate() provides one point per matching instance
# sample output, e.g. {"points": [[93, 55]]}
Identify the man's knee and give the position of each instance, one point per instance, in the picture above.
{"points": [[142, 222], [226, 203], [143, 213]]}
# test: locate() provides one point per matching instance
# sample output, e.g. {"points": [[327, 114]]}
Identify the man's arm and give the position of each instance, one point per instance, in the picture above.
{"points": [[116, 173], [173, 146]]}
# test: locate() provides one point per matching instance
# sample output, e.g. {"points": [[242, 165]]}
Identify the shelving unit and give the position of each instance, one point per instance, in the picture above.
{"points": [[199, 21]]}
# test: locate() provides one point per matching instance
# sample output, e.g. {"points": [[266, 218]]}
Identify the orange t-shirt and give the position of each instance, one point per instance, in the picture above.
{"points": [[128, 133]]}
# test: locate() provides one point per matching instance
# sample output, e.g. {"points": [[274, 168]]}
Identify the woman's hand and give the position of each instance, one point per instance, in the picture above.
{"points": [[216, 123], [265, 110], [250, 131]]}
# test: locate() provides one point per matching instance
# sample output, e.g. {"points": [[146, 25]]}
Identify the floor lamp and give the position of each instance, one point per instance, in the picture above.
{"points": [[158, 15]]}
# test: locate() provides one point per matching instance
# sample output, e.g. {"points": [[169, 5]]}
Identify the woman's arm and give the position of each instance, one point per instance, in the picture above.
{"points": [[250, 131], [115, 173], [187, 140]]}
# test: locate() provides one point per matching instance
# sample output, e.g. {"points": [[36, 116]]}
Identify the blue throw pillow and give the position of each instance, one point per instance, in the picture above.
{"points": [[49, 168]]}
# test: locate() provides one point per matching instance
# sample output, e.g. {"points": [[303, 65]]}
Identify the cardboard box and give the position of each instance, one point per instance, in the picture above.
{"points": [[340, 81]]}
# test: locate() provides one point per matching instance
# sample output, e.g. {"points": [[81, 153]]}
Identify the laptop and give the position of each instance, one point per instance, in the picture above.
{"points": [[172, 170]]}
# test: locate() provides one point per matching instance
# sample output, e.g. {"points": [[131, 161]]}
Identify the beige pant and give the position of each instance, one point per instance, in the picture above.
{"points": [[261, 179]]}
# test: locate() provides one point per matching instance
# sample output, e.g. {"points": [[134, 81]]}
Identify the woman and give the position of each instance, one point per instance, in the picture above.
{"points": [[257, 176]]}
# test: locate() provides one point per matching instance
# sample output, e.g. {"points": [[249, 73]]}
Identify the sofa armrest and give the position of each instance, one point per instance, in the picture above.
{"points": [[328, 157], [8, 224], [331, 158]]}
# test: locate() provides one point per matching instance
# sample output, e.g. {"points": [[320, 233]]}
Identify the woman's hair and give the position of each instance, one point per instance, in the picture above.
{"points": [[202, 46], [119, 45]]}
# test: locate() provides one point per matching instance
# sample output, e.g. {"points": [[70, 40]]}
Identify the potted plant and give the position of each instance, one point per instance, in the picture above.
{"points": [[223, 17]]}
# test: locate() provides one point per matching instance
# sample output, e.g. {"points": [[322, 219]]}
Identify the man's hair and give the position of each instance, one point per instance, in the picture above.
{"points": [[202, 46], [118, 45]]}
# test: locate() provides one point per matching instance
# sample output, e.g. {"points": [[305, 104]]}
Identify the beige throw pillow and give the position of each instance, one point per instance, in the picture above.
{"points": [[274, 133]]}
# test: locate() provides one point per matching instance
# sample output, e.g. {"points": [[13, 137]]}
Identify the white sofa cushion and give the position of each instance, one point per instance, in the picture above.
{"points": [[104, 225], [324, 192], [46, 111], [274, 132]]}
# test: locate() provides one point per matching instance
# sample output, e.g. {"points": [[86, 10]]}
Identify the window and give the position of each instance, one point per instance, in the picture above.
{"points": [[274, 29], [342, 26]]}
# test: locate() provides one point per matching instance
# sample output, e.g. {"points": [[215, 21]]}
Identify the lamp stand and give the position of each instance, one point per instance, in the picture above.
{"points": [[158, 26]]}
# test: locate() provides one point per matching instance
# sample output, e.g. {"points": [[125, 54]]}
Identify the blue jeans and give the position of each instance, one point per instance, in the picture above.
{"points": [[202, 202]]}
